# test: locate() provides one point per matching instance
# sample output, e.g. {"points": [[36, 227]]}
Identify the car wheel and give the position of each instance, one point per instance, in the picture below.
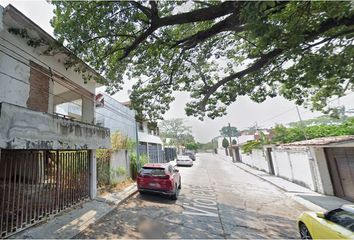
{"points": [[179, 186], [174, 195], [304, 232]]}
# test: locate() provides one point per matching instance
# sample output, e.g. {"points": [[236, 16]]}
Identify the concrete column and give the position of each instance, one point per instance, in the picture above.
{"points": [[1, 18], [88, 110], [324, 183], [93, 174], [51, 97]]}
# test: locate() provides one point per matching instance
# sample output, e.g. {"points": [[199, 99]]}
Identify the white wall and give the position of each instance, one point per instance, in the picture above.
{"points": [[294, 165], [291, 164], [256, 159], [120, 159], [11, 90], [324, 184]]}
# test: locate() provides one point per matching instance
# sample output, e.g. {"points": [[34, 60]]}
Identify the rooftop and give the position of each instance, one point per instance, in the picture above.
{"points": [[323, 141]]}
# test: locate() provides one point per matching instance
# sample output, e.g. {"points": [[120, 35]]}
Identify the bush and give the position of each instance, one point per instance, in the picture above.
{"points": [[143, 159], [120, 142]]}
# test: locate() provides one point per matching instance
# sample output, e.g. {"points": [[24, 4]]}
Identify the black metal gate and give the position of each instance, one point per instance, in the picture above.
{"points": [[37, 184]]}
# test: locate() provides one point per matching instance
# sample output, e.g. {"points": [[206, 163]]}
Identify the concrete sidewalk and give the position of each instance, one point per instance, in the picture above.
{"points": [[310, 199], [71, 222]]}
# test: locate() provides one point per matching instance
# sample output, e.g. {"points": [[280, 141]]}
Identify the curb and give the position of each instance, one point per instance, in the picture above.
{"points": [[297, 199], [283, 189]]}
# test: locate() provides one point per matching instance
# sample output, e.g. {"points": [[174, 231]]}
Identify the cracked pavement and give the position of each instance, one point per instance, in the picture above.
{"points": [[217, 200]]}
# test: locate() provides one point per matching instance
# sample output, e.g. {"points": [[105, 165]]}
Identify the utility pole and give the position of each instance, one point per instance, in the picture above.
{"points": [[302, 124], [229, 130]]}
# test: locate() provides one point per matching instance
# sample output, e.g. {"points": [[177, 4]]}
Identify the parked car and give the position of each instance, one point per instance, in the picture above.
{"points": [[335, 224], [183, 160], [190, 154], [161, 178]]}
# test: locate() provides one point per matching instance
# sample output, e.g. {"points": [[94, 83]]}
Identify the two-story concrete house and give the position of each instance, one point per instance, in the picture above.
{"points": [[47, 160]]}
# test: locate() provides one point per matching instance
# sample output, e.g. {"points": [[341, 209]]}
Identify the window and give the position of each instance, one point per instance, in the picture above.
{"points": [[342, 217], [153, 171]]}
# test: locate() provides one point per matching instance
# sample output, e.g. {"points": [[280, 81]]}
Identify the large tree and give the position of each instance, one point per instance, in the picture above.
{"points": [[216, 51], [176, 130]]}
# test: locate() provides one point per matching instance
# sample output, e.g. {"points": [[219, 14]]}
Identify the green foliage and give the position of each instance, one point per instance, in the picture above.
{"points": [[255, 144], [192, 146], [31, 41], [225, 143], [121, 142], [282, 134], [234, 141], [301, 50], [321, 120], [177, 131], [143, 159], [250, 145], [298, 133], [103, 153], [208, 146], [229, 132], [117, 175]]}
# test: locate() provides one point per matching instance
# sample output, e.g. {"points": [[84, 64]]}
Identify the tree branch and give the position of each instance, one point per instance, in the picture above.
{"points": [[147, 11], [231, 22], [203, 14], [268, 57]]}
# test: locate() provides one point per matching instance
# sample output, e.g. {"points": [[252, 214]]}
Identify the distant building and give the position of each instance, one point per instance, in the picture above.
{"points": [[114, 115], [150, 143]]}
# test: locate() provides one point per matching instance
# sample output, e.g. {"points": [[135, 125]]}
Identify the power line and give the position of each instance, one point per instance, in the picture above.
{"points": [[62, 75]]}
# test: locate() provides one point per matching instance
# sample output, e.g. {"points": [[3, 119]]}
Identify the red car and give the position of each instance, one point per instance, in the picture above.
{"points": [[160, 178]]}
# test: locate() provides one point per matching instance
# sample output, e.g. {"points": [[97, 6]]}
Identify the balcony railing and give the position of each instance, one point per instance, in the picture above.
{"points": [[22, 128]]}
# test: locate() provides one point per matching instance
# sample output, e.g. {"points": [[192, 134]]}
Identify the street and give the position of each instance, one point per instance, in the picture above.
{"points": [[217, 200]]}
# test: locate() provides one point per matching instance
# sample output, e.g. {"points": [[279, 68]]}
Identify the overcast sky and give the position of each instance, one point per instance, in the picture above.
{"points": [[241, 114]]}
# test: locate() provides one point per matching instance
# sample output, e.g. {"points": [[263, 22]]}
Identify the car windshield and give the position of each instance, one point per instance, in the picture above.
{"points": [[153, 171], [343, 218]]}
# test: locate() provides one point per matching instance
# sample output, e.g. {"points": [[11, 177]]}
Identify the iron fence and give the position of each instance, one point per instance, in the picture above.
{"points": [[37, 184]]}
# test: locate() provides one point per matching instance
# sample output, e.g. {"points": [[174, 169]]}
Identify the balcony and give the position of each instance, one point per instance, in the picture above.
{"points": [[22, 128]]}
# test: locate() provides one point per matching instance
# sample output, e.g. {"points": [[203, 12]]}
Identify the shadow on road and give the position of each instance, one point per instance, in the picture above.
{"points": [[156, 198]]}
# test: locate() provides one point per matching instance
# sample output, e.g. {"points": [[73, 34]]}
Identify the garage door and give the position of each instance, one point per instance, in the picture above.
{"points": [[341, 165]]}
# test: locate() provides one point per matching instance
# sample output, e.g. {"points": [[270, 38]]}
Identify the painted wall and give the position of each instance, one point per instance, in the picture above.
{"points": [[256, 159], [291, 164], [120, 159], [116, 117], [21, 128]]}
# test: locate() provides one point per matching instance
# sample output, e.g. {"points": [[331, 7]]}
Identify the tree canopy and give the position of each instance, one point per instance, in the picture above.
{"points": [[229, 132], [176, 130], [216, 51], [225, 143]]}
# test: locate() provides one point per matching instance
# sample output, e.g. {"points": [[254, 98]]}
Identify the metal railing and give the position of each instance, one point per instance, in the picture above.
{"points": [[37, 184]]}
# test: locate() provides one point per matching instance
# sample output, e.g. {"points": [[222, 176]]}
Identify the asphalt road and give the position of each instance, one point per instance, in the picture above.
{"points": [[217, 200]]}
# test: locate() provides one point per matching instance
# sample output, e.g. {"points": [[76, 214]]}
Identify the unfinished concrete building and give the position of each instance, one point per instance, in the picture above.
{"points": [[47, 159]]}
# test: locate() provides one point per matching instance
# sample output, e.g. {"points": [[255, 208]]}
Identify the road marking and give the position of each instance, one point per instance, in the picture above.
{"points": [[199, 212], [202, 202]]}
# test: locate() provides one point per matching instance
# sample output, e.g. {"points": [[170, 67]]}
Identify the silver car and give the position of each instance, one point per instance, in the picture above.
{"points": [[184, 161]]}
